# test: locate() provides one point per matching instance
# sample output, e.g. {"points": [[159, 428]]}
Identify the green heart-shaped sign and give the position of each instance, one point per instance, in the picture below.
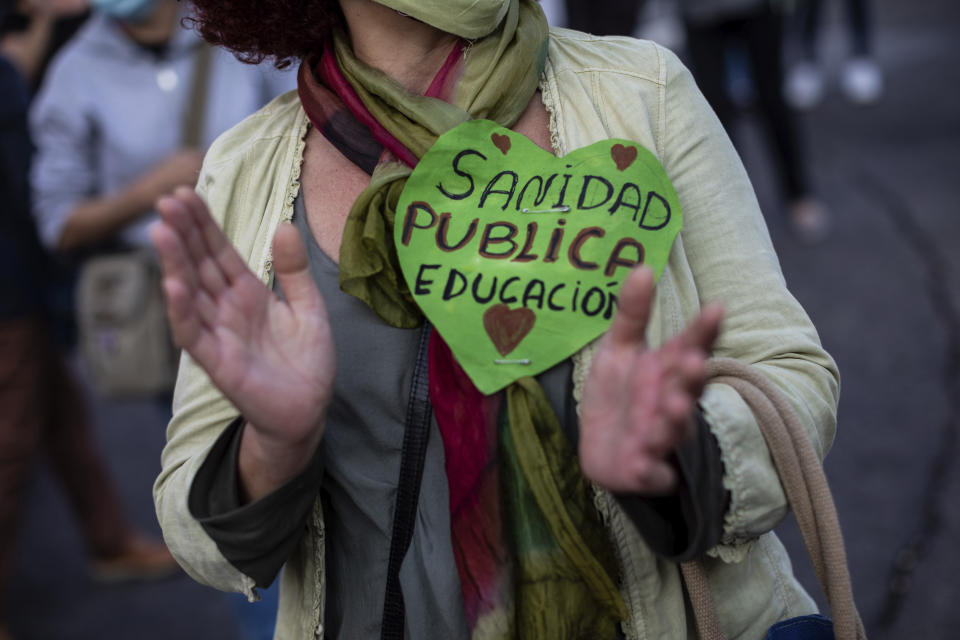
{"points": [[516, 256]]}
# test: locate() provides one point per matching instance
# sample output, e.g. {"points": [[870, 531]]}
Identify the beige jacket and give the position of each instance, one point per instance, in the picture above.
{"points": [[594, 89]]}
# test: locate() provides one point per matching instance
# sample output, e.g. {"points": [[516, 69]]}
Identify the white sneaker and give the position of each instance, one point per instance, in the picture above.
{"points": [[810, 220], [804, 86], [862, 81]]}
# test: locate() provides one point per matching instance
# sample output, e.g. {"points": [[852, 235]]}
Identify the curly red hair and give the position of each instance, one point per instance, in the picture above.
{"points": [[256, 30]]}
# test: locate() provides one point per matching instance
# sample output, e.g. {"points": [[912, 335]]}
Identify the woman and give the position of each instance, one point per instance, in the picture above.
{"points": [[288, 431]]}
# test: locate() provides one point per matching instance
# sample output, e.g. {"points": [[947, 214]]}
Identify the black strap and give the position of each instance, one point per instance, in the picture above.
{"points": [[415, 435]]}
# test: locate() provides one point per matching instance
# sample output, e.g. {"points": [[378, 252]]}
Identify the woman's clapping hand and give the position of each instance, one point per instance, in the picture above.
{"points": [[638, 402], [272, 358]]}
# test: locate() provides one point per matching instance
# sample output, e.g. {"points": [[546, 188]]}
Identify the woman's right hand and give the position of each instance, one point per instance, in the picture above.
{"points": [[272, 358]]}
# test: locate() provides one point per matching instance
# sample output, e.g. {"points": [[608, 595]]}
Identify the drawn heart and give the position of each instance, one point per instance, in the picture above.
{"points": [[623, 156], [501, 142], [508, 327], [522, 255]]}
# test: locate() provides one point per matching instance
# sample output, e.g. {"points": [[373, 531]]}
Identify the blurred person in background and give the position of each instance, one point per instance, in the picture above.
{"points": [[42, 407], [32, 31], [107, 120], [861, 79], [714, 28], [604, 17], [108, 123]]}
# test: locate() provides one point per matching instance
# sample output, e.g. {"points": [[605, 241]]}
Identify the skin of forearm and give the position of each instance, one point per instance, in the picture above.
{"points": [[263, 466], [99, 218]]}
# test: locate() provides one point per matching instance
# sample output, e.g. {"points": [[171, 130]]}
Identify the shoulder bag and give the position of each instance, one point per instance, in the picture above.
{"points": [[805, 486]]}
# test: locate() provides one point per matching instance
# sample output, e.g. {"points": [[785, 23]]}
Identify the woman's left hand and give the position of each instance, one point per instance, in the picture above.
{"points": [[638, 403]]}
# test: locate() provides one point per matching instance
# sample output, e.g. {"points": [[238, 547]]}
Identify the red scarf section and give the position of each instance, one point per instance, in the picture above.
{"points": [[316, 81], [467, 419]]}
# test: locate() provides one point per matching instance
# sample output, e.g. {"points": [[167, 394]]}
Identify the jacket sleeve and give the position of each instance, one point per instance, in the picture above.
{"points": [[258, 537], [731, 259], [684, 526], [200, 415], [266, 146]]}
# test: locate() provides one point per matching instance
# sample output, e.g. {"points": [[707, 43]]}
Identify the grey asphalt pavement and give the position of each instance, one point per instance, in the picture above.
{"points": [[882, 289], [884, 293]]}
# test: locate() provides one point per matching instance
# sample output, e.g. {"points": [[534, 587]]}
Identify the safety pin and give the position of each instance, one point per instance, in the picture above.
{"points": [[564, 209], [525, 361]]}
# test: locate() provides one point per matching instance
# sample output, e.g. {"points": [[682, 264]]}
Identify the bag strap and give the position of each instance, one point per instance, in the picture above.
{"points": [[808, 494], [191, 135], [415, 435]]}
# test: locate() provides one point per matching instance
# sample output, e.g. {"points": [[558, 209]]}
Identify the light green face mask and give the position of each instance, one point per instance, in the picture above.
{"points": [[468, 19]]}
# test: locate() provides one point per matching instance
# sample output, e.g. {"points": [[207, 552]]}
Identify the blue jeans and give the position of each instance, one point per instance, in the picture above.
{"points": [[815, 627], [257, 620]]}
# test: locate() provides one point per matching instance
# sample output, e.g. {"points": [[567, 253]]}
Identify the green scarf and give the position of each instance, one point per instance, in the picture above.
{"points": [[563, 583], [510, 58]]}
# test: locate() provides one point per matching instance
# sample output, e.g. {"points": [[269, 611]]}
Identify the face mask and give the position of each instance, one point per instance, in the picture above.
{"points": [[131, 10], [468, 19]]}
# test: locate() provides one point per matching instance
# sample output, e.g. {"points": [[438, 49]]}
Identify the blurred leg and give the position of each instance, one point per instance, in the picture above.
{"points": [[806, 84], [69, 442], [862, 80], [604, 17], [21, 373], [858, 17], [764, 39], [706, 44], [119, 553], [41, 405], [809, 15]]}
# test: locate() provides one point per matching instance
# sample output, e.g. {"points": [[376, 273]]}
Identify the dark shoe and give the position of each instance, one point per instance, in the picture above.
{"points": [[141, 559]]}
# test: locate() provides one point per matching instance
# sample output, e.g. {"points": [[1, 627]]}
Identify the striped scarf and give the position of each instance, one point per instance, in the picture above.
{"points": [[533, 557]]}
